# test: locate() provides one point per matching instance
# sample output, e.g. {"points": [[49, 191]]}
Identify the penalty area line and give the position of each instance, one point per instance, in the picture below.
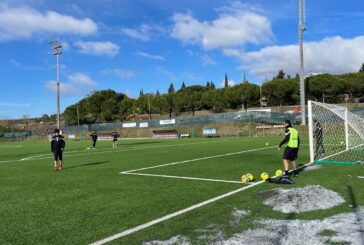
{"points": [[172, 215], [169, 216], [183, 177], [197, 159], [104, 150]]}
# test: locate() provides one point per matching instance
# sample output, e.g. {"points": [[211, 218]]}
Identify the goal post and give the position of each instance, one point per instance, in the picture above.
{"points": [[336, 135]]}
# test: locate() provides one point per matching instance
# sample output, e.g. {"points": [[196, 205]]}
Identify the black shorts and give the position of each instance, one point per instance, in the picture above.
{"points": [[114, 140], [57, 155], [290, 153]]}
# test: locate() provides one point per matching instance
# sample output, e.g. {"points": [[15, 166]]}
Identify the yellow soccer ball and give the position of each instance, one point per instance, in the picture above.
{"points": [[264, 176], [245, 179], [279, 172], [267, 144], [250, 176]]}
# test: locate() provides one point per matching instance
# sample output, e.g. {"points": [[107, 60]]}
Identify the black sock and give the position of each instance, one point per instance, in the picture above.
{"points": [[286, 172]]}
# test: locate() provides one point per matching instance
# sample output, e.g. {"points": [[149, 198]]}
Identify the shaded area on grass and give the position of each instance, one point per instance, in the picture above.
{"points": [[86, 165], [356, 212]]}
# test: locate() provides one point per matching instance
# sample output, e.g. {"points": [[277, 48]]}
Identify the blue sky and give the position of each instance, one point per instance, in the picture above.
{"points": [[128, 45]]}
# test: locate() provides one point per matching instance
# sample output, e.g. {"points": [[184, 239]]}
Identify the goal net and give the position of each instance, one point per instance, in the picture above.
{"points": [[336, 135]]}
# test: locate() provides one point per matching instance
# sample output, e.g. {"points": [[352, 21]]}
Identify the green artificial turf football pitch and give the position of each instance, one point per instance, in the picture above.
{"points": [[103, 192]]}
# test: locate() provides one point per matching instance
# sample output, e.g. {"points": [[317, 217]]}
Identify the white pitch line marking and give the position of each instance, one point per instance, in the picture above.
{"points": [[197, 159], [182, 177], [360, 177], [88, 152], [169, 216], [172, 215]]}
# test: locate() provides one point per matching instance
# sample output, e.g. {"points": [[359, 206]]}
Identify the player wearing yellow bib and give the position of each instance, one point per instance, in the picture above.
{"points": [[292, 142]]}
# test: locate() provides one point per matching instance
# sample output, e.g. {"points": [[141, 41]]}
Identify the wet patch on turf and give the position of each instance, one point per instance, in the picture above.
{"points": [[312, 167], [180, 240], [238, 216], [344, 228], [298, 200]]}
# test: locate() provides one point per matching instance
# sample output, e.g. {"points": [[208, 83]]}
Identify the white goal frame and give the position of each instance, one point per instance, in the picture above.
{"points": [[352, 124]]}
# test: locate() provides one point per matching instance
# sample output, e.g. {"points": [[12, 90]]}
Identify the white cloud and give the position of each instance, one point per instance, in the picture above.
{"points": [[98, 48], [14, 62], [235, 26], [120, 73], [17, 64], [161, 71], [11, 104], [24, 22], [144, 32], [333, 55], [76, 84], [129, 94], [207, 61], [150, 56]]}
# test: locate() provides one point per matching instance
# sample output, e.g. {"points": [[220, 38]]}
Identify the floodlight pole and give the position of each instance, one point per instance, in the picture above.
{"points": [[57, 50], [58, 100], [150, 116], [78, 123], [301, 29], [260, 93], [78, 117]]}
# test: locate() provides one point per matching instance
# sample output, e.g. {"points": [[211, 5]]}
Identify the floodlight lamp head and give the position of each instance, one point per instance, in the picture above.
{"points": [[56, 47]]}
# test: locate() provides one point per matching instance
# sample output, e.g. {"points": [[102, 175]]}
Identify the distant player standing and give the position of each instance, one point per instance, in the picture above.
{"points": [[115, 137], [292, 140], [318, 136], [57, 147], [93, 136]]}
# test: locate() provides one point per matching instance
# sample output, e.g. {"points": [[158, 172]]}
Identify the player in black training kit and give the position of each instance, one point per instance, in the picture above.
{"points": [[57, 147], [93, 136], [115, 137], [318, 136]]}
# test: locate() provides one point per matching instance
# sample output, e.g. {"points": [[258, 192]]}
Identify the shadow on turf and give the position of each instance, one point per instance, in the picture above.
{"points": [[301, 168], [26, 154], [283, 231], [354, 205], [86, 165], [139, 143]]}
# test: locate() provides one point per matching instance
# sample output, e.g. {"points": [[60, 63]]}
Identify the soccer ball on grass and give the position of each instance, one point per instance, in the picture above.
{"points": [[264, 176]]}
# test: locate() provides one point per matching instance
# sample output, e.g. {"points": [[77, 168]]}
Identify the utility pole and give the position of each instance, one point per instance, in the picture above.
{"points": [[57, 50], [78, 123], [78, 117], [150, 116], [301, 29], [260, 92]]}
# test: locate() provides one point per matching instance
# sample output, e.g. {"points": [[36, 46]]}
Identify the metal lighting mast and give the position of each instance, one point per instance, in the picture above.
{"points": [[57, 50], [301, 29]]}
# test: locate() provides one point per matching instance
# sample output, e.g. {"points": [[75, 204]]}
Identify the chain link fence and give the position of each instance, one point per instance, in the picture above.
{"points": [[222, 118]]}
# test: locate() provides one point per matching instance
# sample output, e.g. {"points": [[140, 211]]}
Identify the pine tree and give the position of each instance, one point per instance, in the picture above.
{"points": [[362, 68], [212, 85], [245, 80], [183, 85], [171, 89], [226, 83], [157, 92], [141, 92], [281, 74]]}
